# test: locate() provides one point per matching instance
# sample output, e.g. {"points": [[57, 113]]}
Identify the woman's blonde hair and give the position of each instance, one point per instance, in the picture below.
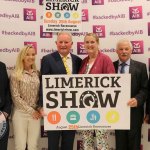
{"points": [[19, 68], [94, 35]]}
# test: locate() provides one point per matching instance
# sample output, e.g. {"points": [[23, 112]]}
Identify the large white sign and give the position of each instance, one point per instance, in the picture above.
{"points": [[62, 16], [79, 102]]}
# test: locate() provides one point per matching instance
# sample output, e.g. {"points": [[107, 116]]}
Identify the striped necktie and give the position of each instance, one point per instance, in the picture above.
{"points": [[64, 59]]}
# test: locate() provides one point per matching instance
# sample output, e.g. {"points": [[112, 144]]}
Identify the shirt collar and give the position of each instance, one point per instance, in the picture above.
{"points": [[68, 56], [26, 72], [127, 62]]}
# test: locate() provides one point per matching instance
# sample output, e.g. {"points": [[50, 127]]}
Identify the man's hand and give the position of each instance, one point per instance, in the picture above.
{"points": [[132, 102], [146, 119]]}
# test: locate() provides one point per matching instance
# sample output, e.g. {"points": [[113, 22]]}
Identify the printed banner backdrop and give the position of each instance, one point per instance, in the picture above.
{"points": [[81, 102], [21, 22]]}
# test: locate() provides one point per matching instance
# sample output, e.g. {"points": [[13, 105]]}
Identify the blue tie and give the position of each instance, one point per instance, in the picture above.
{"points": [[122, 70]]}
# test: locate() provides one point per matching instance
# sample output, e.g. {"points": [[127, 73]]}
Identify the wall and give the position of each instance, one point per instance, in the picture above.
{"points": [[21, 23]]}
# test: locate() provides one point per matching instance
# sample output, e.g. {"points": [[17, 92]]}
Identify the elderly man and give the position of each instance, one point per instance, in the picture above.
{"points": [[131, 139], [60, 62]]}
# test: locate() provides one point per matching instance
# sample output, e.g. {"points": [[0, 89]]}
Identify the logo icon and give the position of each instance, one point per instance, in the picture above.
{"points": [[148, 28], [73, 117], [97, 2], [41, 2], [138, 47], [48, 14], [88, 98], [99, 30], [75, 15], [93, 117], [29, 14], [135, 12], [53, 117], [80, 48], [45, 34], [85, 16], [57, 14], [112, 116], [34, 44], [67, 15]]}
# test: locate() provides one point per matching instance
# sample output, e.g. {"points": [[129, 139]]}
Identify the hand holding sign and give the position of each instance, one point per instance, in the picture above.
{"points": [[3, 125]]}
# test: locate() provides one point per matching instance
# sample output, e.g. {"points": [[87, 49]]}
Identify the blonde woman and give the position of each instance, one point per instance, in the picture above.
{"points": [[24, 85]]}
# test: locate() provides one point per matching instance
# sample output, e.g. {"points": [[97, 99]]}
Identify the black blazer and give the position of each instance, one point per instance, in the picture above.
{"points": [[139, 81], [148, 99], [53, 64], [5, 98]]}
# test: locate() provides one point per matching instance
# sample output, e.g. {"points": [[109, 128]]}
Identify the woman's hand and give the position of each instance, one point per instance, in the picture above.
{"points": [[36, 115]]}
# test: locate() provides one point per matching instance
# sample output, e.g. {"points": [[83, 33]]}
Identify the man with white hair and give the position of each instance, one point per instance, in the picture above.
{"points": [[60, 62], [131, 139]]}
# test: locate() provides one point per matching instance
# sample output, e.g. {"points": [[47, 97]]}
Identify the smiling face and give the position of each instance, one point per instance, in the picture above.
{"points": [[64, 43], [91, 45], [124, 50], [29, 58]]}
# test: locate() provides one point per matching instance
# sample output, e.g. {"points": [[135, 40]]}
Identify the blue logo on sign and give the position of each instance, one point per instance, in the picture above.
{"points": [[93, 116], [67, 15]]}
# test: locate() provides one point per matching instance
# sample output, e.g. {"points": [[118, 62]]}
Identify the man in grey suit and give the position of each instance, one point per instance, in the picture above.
{"points": [[131, 139], [5, 105], [53, 64]]}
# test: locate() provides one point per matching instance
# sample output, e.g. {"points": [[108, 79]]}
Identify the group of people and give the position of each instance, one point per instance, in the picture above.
{"points": [[25, 92]]}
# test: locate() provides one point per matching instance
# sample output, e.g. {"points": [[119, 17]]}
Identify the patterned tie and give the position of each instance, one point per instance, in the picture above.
{"points": [[64, 59], [122, 70]]}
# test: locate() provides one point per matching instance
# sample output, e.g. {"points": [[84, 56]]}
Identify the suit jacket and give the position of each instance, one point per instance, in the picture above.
{"points": [[5, 98], [148, 99], [53, 64], [139, 81]]}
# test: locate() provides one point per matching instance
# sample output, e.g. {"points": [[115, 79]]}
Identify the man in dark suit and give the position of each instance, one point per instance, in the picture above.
{"points": [[5, 104], [131, 139], [53, 64]]}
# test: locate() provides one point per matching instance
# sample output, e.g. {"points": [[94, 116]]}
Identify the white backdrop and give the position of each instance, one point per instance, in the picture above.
{"points": [[21, 23]]}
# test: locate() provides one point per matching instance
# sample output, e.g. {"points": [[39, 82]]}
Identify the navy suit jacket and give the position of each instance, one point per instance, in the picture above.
{"points": [[148, 99], [53, 64], [139, 81], [5, 98]]}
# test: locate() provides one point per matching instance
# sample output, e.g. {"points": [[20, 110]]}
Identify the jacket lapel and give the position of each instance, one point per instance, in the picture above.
{"points": [[60, 64]]}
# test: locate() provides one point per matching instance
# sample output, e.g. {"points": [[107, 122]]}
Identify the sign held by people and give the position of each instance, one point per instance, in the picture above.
{"points": [[78, 102]]}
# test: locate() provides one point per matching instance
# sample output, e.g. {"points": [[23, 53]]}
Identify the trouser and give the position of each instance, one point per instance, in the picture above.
{"points": [[101, 139], [128, 139], [67, 139], [26, 130]]}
